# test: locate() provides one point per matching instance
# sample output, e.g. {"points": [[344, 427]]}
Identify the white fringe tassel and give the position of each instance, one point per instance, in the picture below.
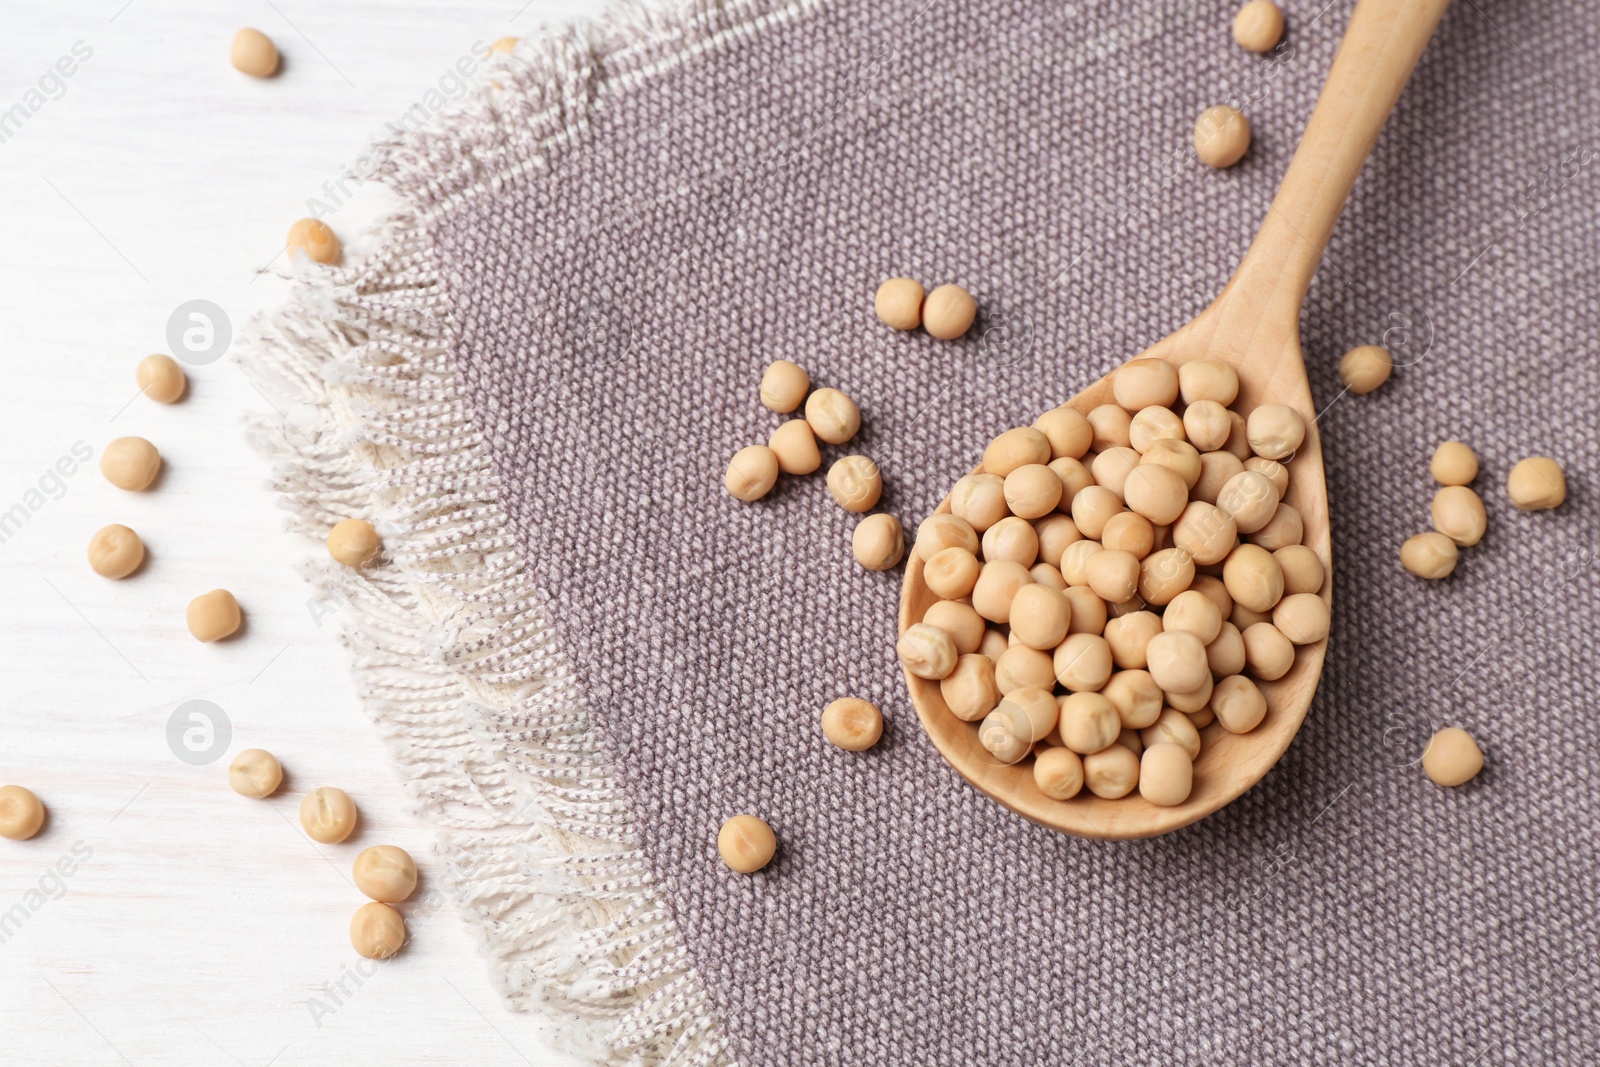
{"points": [[456, 663]]}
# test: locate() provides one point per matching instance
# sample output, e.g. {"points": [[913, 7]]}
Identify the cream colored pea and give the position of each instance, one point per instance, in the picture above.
{"points": [[1194, 612], [328, 815], [940, 531], [1275, 430], [1244, 618], [1285, 528], [997, 585], [1452, 757], [315, 240], [980, 499], [1206, 425], [784, 385], [1276, 472], [1258, 26], [1267, 652], [1136, 696], [1173, 728], [1075, 561], [1110, 423], [1302, 618], [1021, 447], [995, 735], [130, 463], [1039, 616], [253, 53], [1180, 456], [1089, 723], [1154, 424], [214, 615], [834, 417], [1225, 655], [1055, 533], [1302, 570], [1191, 702], [795, 445], [752, 472], [1221, 136], [1047, 576], [1092, 508], [878, 542], [952, 573], [1112, 467], [1111, 773], [1030, 714], [1032, 491], [1458, 514], [1130, 740], [1021, 667], [1177, 661], [1112, 574], [927, 651], [1252, 500], [1058, 772], [1083, 663], [161, 379], [255, 773], [1536, 484], [1129, 532], [1429, 555], [21, 813], [1217, 469], [386, 873], [504, 46], [1157, 493], [1365, 368], [1067, 430], [965, 626], [1165, 573], [855, 725], [1203, 718], [1166, 775], [1239, 438], [1238, 704], [994, 645], [377, 931], [1208, 379], [746, 844], [948, 311], [1142, 383], [899, 303], [855, 483], [1075, 478], [1453, 463], [115, 551], [1214, 591], [1253, 578], [352, 542], [1206, 532], [1088, 611], [970, 691], [1129, 637]]}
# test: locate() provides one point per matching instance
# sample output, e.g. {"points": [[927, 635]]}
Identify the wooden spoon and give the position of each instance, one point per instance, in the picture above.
{"points": [[1255, 326]]}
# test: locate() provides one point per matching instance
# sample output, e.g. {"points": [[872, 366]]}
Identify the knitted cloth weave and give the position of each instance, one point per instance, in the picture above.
{"points": [[538, 386]]}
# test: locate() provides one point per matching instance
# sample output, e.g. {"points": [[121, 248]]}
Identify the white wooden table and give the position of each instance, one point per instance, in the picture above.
{"points": [[194, 926]]}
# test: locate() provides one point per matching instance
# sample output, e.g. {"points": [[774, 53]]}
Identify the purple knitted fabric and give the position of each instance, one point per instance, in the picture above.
{"points": [[617, 297]]}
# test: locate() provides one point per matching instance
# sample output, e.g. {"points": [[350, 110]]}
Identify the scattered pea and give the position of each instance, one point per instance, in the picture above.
{"points": [[1453, 463], [795, 446], [315, 240], [1452, 757], [352, 542], [834, 417], [878, 542], [1365, 368], [948, 311], [253, 53], [115, 551], [213, 616], [1429, 555], [784, 385], [130, 463], [1536, 484], [256, 773], [1221, 136], [328, 815], [1458, 514], [161, 379], [377, 931], [852, 724], [899, 303], [746, 843], [386, 873], [752, 472], [855, 483], [21, 813], [1258, 26]]}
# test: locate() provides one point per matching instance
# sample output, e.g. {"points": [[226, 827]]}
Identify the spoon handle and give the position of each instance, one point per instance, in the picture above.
{"points": [[1375, 60]]}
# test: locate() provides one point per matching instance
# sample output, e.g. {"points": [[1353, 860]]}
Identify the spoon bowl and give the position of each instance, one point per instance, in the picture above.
{"points": [[1254, 327]]}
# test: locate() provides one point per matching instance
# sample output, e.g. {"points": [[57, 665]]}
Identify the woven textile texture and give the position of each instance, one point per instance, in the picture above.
{"points": [[688, 206]]}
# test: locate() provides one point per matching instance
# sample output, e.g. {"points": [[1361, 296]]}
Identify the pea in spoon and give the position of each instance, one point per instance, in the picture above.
{"points": [[1253, 325]]}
